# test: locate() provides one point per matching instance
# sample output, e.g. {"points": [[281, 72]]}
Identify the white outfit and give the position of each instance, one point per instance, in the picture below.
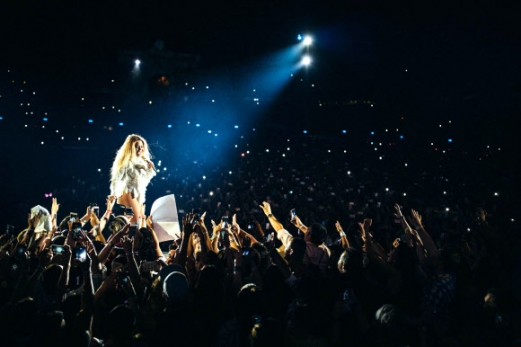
{"points": [[133, 177]]}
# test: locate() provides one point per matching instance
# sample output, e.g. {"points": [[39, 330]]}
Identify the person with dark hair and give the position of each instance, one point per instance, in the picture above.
{"points": [[314, 254]]}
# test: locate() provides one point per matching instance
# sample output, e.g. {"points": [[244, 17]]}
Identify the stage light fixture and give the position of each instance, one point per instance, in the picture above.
{"points": [[306, 60]]}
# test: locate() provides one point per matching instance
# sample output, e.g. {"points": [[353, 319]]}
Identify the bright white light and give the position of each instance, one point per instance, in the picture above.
{"points": [[496, 194], [211, 193], [386, 189], [99, 170], [349, 172], [447, 209], [204, 177], [137, 62], [306, 60], [308, 40], [230, 172]]}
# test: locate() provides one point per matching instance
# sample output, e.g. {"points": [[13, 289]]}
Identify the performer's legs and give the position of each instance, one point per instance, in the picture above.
{"points": [[127, 200]]}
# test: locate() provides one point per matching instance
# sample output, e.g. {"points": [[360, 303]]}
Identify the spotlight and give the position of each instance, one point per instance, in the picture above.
{"points": [[137, 62], [306, 60], [308, 40]]}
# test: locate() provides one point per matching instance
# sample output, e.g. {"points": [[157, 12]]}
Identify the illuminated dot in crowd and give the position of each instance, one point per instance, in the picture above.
{"points": [[380, 144], [150, 102], [186, 83], [1, 118], [87, 139], [253, 130], [404, 194], [198, 125], [450, 140], [42, 142], [204, 177], [103, 107], [235, 146], [254, 90], [216, 135], [376, 148], [450, 121], [371, 143], [187, 122], [43, 126], [247, 152], [349, 172], [287, 149], [386, 189], [345, 151], [230, 172], [119, 110], [213, 100], [386, 130], [169, 125], [207, 87], [45, 119], [396, 130], [372, 132], [267, 150], [401, 137], [305, 131], [193, 88], [113, 107], [79, 138], [380, 158], [82, 99], [432, 144], [99, 170], [371, 105], [440, 125], [512, 219], [242, 154], [158, 170], [209, 131], [444, 193], [91, 121], [28, 104], [120, 124], [344, 131], [405, 164], [112, 81], [447, 209], [164, 169], [236, 126], [63, 138], [26, 125], [496, 194], [21, 91], [329, 151]]}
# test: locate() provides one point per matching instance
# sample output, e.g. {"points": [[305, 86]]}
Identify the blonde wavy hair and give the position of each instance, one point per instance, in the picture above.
{"points": [[126, 153]]}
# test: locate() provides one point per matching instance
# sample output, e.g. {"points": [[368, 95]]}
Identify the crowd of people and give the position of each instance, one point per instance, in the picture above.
{"points": [[287, 239], [282, 258]]}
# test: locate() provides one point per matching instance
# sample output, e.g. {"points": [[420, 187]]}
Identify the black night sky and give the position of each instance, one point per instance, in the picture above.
{"points": [[409, 56]]}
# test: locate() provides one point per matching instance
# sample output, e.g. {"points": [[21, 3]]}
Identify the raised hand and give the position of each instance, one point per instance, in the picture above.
{"points": [[296, 221], [416, 218], [126, 243], [188, 224], [338, 227], [266, 207], [398, 213], [111, 200], [55, 206]]}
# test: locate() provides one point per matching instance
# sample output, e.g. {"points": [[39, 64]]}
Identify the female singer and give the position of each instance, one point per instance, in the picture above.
{"points": [[131, 172]]}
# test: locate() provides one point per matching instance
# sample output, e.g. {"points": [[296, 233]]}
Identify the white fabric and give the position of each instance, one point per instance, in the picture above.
{"points": [[135, 177], [44, 223], [165, 219]]}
